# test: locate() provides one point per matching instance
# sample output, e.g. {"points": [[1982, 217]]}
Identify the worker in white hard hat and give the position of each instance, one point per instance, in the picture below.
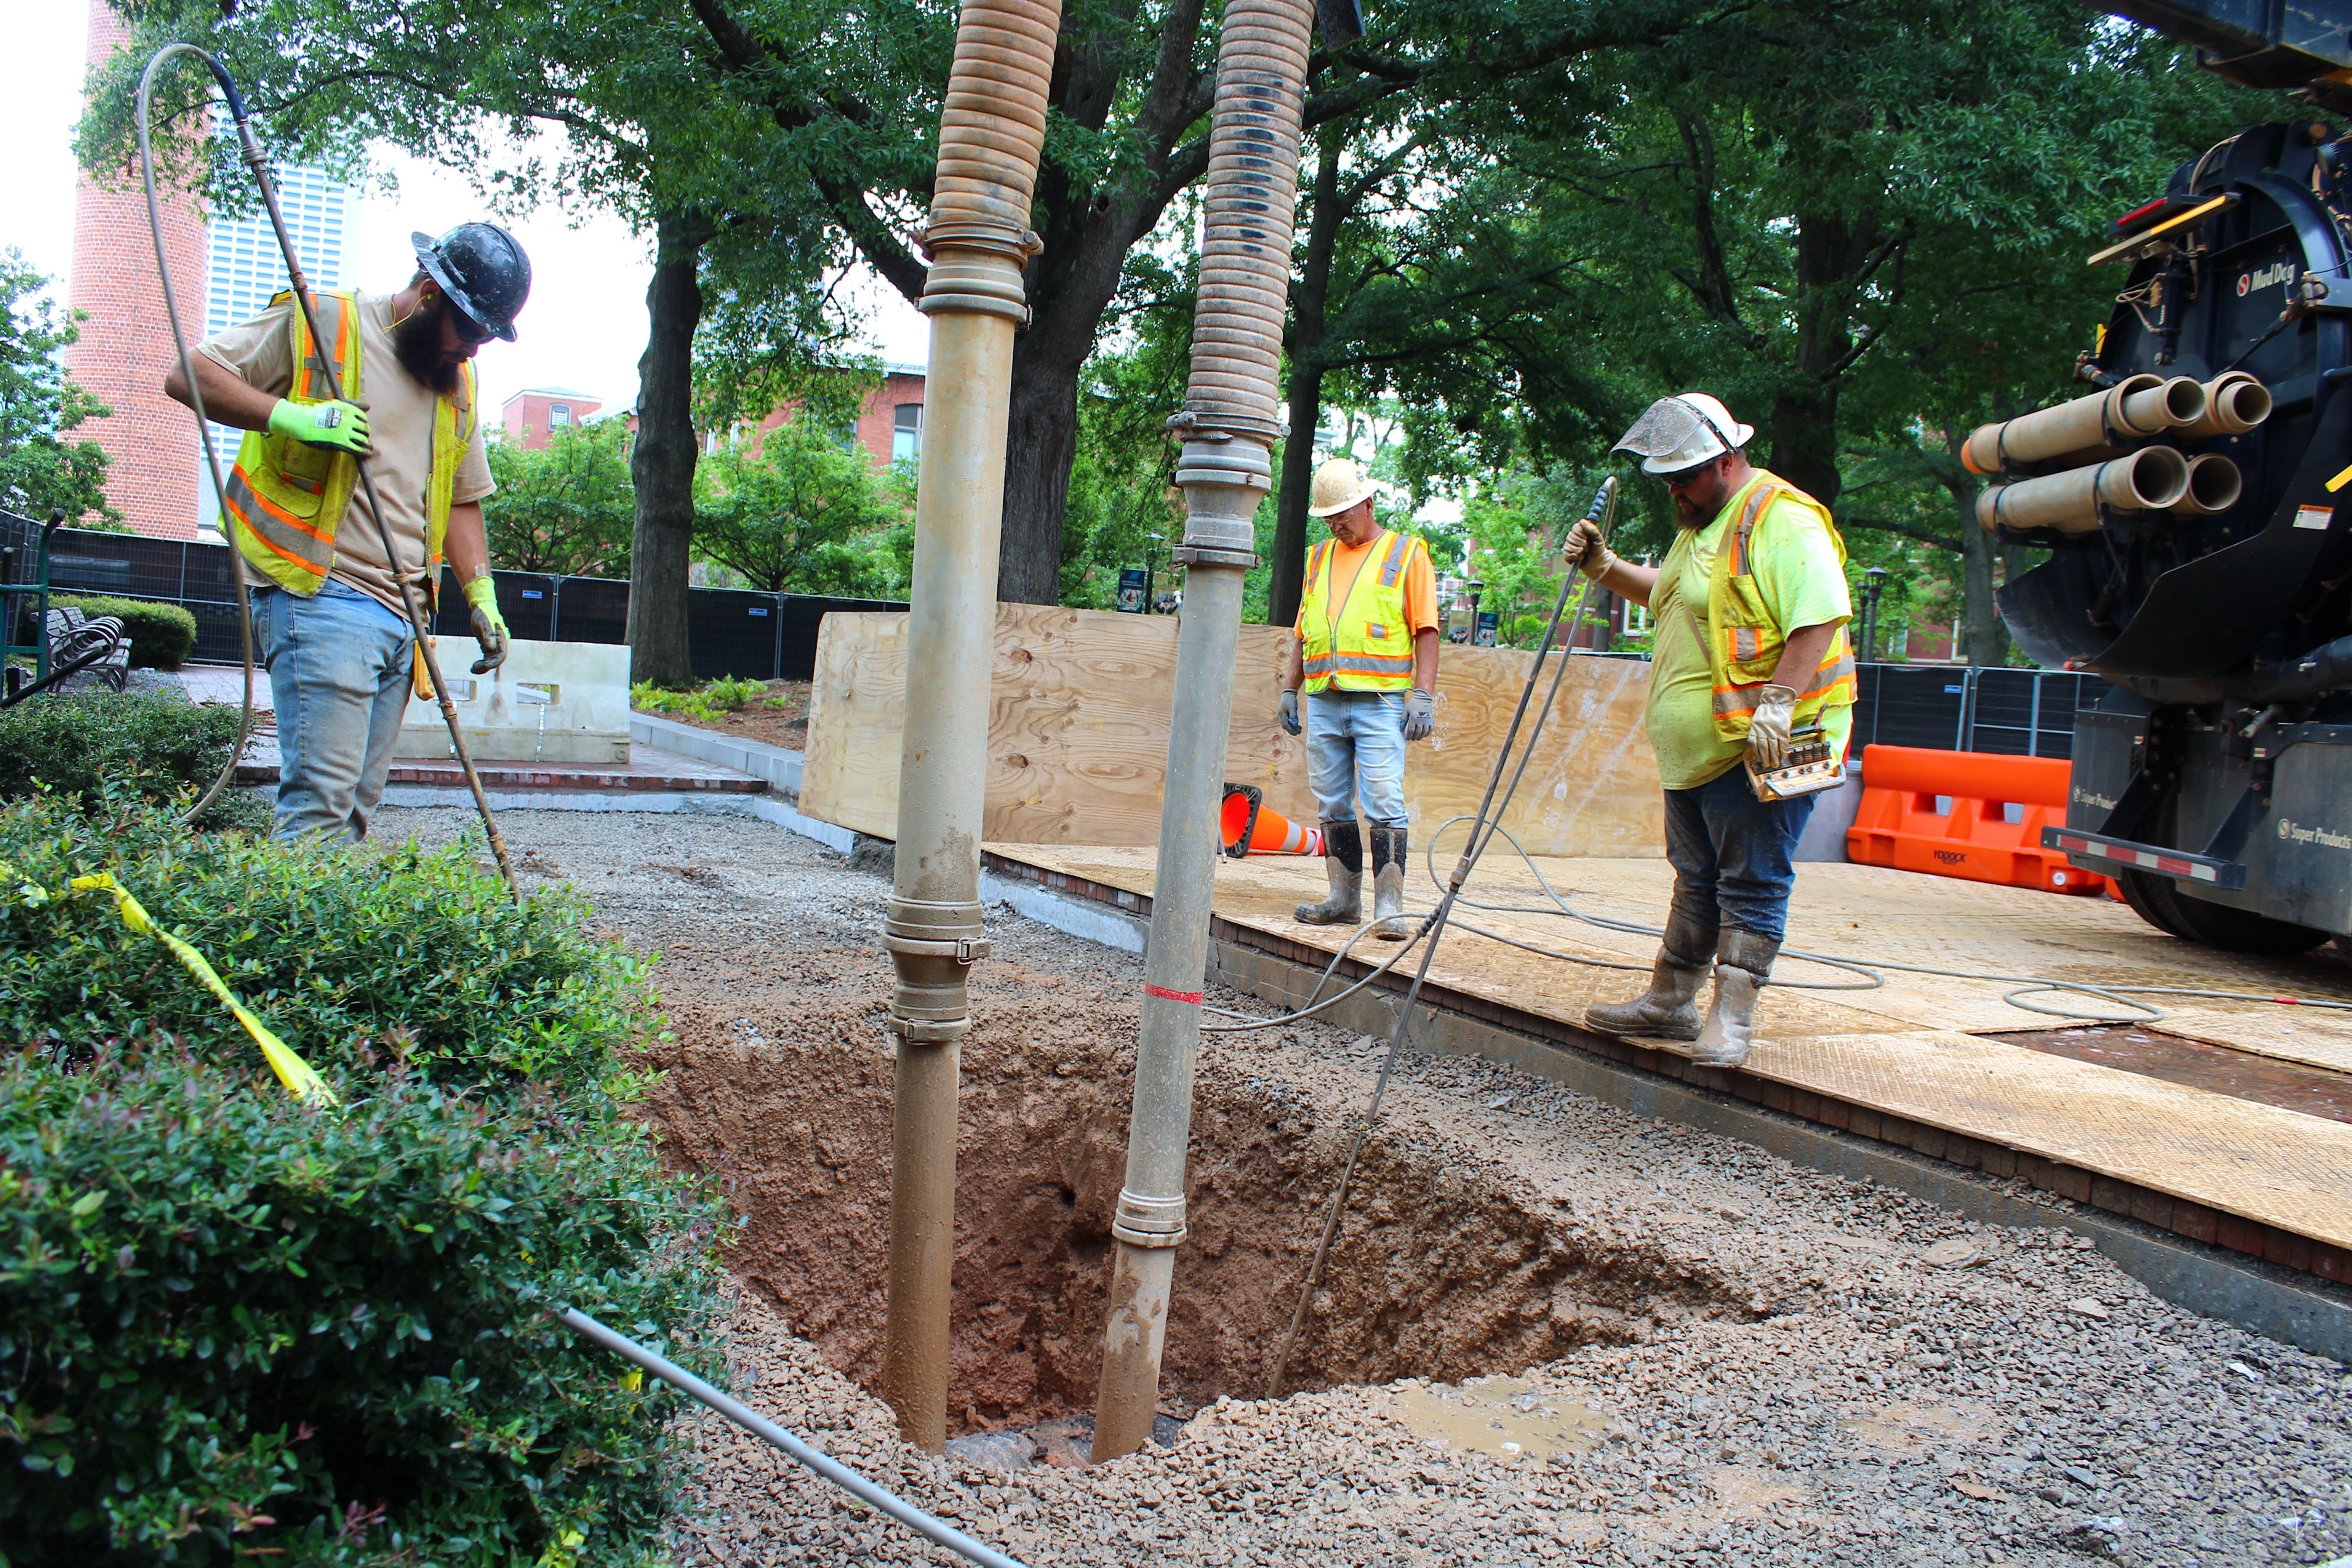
{"points": [[1750, 605], [1365, 652]]}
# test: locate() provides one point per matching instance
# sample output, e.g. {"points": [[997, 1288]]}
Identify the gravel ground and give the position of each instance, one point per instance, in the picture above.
{"points": [[1798, 1369]]}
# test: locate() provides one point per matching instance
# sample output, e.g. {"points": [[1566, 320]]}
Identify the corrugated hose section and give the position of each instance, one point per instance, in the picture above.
{"points": [[992, 127], [1252, 194]]}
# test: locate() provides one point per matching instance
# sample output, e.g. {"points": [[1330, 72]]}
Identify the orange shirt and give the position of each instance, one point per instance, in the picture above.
{"points": [[1347, 560]]}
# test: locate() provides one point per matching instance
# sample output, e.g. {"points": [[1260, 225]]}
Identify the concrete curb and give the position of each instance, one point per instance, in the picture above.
{"points": [[780, 768]]}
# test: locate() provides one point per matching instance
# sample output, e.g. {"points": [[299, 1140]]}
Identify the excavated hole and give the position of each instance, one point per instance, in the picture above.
{"points": [[1443, 1270]]}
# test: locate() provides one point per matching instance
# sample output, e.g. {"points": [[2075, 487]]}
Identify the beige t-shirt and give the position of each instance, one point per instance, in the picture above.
{"points": [[400, 424]]}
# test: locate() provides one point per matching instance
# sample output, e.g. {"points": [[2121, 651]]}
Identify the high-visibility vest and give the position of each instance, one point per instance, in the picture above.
{"points": [[289, 498], [1365, 638], [1743, 645]]}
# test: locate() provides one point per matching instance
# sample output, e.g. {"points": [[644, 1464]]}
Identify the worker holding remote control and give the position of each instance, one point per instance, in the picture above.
{"points": [[1750, 605]]}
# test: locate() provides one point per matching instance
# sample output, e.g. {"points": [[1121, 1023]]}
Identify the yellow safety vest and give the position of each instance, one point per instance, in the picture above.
{"points": [[1744, 649], [289, 498], [1366, 638]]}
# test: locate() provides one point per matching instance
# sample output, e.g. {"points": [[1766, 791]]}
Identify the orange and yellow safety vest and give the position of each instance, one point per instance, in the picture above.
{"points": [[1743, 650], [289, 498], [1364, 639]]}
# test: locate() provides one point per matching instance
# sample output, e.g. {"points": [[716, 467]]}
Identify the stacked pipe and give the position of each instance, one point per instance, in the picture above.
{"points": [[2105, 441], [992, 130], [1228, 427]]}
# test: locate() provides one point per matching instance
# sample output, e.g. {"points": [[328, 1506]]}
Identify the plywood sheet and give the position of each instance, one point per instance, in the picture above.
{"points": [[1903, 1047], [1079, 726], [1867, 912]]}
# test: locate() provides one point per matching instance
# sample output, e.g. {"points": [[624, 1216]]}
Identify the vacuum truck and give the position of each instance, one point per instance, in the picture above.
{"points": [[2197, 505]]}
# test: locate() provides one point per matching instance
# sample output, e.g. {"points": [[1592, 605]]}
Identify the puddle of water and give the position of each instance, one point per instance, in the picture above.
{"points": [[1506, 1417], [1901, 1429]]}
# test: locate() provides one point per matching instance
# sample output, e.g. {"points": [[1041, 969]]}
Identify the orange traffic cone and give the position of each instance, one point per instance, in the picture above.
{"points": [[1250, 827]]}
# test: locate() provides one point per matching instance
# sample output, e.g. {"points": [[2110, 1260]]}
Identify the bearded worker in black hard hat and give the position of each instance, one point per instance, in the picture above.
{"points": [[1751, 605], [327, 610]]}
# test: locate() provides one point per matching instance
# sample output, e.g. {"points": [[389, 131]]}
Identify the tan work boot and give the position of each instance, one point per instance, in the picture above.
{"points": [[1668, 1010], [1388, 885], [1343, 861], [1743, 961]]}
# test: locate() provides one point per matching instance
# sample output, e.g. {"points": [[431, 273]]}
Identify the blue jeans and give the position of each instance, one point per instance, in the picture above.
{"points": [[1730, 854], [1355, 751], [339, 672]]}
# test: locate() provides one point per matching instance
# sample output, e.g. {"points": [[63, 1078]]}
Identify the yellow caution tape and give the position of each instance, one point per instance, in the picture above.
{"points": [[297, 1075]]}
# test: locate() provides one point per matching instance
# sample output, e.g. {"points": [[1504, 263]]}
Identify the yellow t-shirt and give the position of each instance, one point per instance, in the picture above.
{"points": [[1803, 585]]}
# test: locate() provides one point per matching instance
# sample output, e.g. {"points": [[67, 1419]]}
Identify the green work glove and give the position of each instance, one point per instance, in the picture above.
{"points": [[338, 426], [490, 626]]}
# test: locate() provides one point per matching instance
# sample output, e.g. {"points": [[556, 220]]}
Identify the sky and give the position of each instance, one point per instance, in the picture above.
{"points": [[583, 329]]}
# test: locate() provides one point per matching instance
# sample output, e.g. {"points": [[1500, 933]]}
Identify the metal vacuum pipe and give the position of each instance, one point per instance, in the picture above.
{"points": [[991, 133], [2152, 479], [1229, 425], [2138, 408]]}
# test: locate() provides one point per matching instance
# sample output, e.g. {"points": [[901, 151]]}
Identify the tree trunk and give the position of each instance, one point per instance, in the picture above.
{"points": [[661, 462], [1040, 443], [1310, 296], [1805, 415], [1984, 640]]}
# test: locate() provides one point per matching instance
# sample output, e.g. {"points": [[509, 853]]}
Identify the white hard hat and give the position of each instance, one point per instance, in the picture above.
{"points": [[1338, 485], [1682, 432]]}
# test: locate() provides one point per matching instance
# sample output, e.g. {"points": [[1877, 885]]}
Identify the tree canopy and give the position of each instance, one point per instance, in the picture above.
{"points": [[42, 467]]}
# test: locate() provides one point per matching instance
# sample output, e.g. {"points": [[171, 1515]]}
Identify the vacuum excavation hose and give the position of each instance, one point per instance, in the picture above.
{"points": [[411, 584]]}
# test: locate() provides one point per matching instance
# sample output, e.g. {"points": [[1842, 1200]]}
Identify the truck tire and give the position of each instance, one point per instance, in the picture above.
{"points": [[2163, 904]]}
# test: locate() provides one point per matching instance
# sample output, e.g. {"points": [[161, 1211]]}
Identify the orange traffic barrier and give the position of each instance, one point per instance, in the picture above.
{"points": [[1251, 827], [1899, 826]]}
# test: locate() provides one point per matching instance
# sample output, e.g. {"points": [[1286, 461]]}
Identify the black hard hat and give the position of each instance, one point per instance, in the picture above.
{"points": [[482, 270]]}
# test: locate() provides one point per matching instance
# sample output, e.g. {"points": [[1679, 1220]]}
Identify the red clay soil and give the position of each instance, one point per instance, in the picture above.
{"points": [[777, 1082]]}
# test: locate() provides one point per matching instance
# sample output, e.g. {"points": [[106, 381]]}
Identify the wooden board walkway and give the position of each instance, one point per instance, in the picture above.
{"points": [[1923, 1050]]}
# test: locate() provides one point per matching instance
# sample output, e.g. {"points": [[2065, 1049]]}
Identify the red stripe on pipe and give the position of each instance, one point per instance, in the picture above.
{"points": [[1191, 998]]}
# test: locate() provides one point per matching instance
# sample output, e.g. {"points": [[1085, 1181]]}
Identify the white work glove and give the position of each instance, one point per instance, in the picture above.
{"points": [[1768, 732], [1420, 714], [1586, 550], [1290, 724]]}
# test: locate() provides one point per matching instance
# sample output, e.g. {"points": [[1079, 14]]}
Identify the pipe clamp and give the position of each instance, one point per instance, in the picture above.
{"points": [[1142, 1221], [963, 950], [926, 1031], [1193, 555]]}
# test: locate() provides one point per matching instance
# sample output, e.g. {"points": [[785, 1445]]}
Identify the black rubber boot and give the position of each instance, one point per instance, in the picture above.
{"points": [[1668, 1010], [1743, 962], [1343, 860], [1388, 885]]}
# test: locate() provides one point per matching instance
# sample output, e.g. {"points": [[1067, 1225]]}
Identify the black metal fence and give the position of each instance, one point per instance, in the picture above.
{"points": [[772, 636], [729, 631]]}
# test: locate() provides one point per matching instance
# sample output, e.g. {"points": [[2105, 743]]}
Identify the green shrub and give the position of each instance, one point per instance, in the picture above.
{"points": [[161, 636], [77, 744], [704, 705], [336, 947], [233, 1327]]}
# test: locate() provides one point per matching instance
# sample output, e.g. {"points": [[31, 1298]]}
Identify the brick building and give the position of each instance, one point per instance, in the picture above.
{"points": [[125, 345], [890, 425], [534, 413]]}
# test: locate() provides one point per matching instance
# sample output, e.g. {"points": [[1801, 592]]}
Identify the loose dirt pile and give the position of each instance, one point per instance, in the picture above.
{"points": [[1718, 1358]]}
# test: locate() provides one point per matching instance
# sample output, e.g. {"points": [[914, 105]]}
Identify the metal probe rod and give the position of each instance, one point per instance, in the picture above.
{"points": [[411, 589], [1481, 831], [1229, 424], [824, 1464]]}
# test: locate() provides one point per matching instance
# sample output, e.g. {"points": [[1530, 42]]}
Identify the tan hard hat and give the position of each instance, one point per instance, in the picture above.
{"points": [[1340, 484]]}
